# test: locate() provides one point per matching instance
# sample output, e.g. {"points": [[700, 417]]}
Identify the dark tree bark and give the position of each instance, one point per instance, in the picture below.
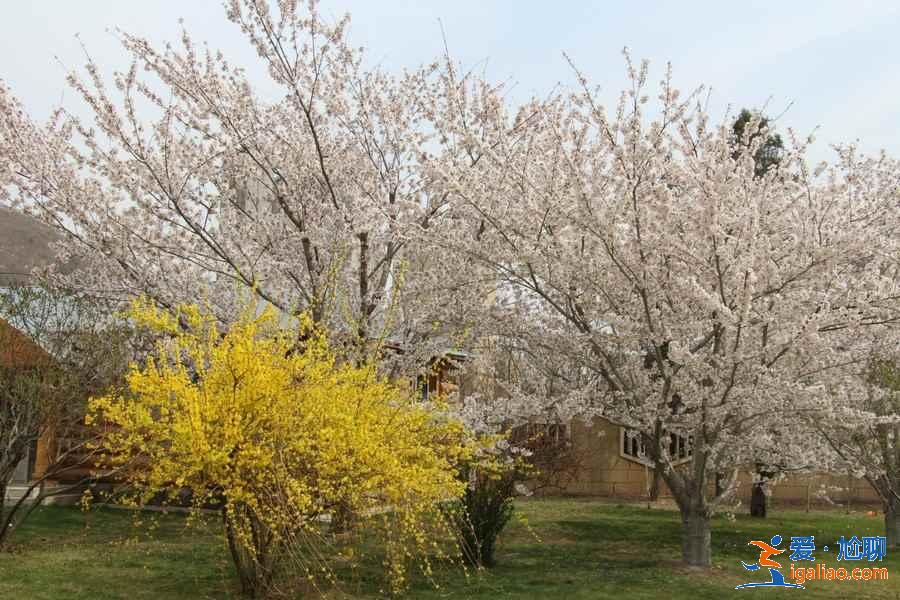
{"points": [[654, 484], [892, 521], [758, 500], [657, 466]]}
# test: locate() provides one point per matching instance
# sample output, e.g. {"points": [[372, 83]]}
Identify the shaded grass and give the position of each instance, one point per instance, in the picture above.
{"points": [[105, 554], [587, 550]]}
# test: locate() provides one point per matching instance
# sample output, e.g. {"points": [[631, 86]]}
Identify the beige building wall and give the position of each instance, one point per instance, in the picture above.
{"points": [[605, 471]]}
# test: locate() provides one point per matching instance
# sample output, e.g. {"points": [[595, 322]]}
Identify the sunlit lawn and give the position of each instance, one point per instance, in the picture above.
{"points": [[572, 549]]}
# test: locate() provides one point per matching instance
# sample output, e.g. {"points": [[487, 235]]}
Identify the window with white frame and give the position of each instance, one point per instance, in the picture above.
{"points": [[631, 446]]}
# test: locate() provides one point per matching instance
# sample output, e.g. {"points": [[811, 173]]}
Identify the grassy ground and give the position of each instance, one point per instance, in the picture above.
{"points": [[587, 550]]}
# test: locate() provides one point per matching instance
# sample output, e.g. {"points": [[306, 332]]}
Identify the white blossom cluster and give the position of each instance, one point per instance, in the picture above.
{"points": [[627, 262]]}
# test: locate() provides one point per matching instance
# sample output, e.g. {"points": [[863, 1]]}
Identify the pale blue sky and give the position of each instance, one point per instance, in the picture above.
{"points": [[838, 62]]}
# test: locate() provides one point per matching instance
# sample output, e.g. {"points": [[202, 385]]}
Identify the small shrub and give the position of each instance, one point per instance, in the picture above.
{"points": [[482, 514]]}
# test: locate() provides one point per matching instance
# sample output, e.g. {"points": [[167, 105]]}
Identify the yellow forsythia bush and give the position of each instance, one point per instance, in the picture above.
{"points": [[268, 423]]}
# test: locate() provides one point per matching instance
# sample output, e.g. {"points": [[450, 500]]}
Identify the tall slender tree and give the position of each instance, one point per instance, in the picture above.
{"points": [[755, 133]]}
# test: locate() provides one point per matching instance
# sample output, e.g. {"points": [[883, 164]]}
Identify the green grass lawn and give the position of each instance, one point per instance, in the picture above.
{"points": [[585, 550]]}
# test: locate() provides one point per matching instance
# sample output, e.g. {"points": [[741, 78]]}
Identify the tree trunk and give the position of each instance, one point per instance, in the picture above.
{"points": [[758, 500], [654, 483], [239, 558], [4, 531], [695, 538], [250, 552], [342, 519], [892, 522], [657, 464]]}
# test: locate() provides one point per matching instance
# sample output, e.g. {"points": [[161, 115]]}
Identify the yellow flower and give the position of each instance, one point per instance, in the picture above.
{"points": [[270, 423]]}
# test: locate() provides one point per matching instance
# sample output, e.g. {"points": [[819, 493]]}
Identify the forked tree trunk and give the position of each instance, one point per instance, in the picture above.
{"points": [[695, 538], [689, 488], [892, 522]]}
